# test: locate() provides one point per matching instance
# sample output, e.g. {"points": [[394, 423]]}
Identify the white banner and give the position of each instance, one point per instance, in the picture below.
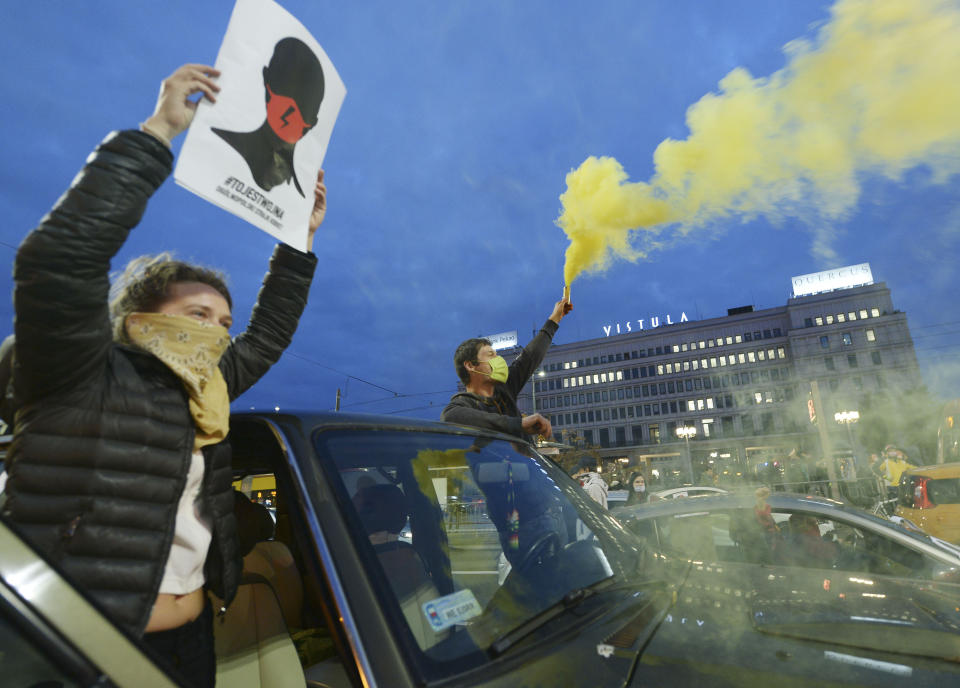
{"points": [[257, 150]]}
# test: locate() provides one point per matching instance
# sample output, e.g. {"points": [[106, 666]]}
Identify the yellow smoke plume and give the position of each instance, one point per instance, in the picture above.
{"points": [[875, 91]]}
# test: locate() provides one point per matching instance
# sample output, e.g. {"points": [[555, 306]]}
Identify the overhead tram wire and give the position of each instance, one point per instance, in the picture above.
{"points": [[340, 372]]}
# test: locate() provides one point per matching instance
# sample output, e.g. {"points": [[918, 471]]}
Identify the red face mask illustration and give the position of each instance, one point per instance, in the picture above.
{"points": [[285, 119]]}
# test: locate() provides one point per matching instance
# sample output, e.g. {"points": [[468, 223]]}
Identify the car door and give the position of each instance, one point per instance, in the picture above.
{"points": [[50, 635]]}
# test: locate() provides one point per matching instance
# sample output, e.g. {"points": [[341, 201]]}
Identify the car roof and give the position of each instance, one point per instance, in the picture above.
{"points": [[944, 470], [719, 501], [330, 420]]}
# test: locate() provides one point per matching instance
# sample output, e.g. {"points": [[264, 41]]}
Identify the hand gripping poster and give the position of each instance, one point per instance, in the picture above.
{"points": [[257, 150]]}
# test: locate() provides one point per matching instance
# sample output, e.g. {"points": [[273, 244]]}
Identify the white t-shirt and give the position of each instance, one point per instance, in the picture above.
{"points": [[191, 538]]}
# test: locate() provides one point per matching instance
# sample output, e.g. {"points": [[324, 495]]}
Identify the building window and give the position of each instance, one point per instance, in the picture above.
{"points": [[871, 335], [874, 312], [851, 315], [841, 318], [875, 357], [847, 339], [818, 320], [738, 339], [653, 431], [825, 342], [747, 336], [776, 332], [863, 313], [828, 362], [829, 319], [852, 360]]}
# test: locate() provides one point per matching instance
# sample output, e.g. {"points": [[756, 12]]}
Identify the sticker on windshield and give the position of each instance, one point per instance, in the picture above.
{"points": [[449, 610]]}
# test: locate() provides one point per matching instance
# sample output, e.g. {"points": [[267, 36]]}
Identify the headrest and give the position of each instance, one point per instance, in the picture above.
{"points": [[254, 522], [381, 507]]}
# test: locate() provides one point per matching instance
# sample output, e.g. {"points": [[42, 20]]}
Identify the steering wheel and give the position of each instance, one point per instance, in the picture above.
{"points": [[544, 547]]}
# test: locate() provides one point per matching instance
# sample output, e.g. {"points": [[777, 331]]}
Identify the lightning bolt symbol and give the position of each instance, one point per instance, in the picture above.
{"points": [[283, 117]]}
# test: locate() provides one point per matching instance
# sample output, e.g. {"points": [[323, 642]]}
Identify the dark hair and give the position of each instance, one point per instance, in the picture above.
{"points": [[586, 462], [467, 351], [632, 496], [145, 284], [294, 71]]}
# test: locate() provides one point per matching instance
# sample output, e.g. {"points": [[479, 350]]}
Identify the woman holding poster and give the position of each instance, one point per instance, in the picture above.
{"points": [[119, 470]]}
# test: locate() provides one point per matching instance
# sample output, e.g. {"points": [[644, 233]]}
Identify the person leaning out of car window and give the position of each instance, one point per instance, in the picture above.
{"points": [[119, 471], [492, 386]]}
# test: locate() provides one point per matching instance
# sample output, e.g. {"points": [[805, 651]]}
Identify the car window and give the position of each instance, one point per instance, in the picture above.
{"points": [[469, 537], [944, 491], [701, 536], [816, 542]]}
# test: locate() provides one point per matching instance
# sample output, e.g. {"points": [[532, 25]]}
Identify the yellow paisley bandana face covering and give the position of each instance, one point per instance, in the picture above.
{"points": [[191, 349]]}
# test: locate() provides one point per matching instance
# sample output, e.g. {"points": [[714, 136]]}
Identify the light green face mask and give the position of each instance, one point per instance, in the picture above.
{"points": [[498, 369]]}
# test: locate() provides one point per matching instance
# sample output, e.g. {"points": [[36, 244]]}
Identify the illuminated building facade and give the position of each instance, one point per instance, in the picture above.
{"points": [[742, 381]]}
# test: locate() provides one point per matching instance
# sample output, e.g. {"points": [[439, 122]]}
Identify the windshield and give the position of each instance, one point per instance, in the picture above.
{"points": [[469, 538]]}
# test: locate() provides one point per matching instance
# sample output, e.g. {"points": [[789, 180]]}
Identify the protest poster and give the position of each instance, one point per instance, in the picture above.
{"points": [[257, 150]]}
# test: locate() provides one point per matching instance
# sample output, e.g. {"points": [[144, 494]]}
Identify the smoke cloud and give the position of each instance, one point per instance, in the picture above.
{"points": [[876, 91]]}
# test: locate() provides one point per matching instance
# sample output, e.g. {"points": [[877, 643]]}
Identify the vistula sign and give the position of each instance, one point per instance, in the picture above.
{"points": [[643, 324]]}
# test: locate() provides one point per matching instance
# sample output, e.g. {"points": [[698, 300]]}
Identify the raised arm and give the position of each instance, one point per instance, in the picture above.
{"points": [[61, 271], [279, 306], [532, 355]]}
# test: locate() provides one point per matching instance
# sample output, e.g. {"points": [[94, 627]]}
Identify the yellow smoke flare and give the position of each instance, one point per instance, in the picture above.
{"points": [[876, 91]]}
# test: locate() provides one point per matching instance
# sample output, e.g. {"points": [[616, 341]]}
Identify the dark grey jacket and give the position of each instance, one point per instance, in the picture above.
{"points": [[500, 411], [103, 433]]}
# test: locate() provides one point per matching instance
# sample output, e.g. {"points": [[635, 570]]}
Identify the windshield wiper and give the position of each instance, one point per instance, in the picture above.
{"points": [[570, 600]]}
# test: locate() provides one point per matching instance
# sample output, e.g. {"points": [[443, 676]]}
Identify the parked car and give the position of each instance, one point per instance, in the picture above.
{"points": [[618, 498], [370, 580], [687, 491], [725, 528], [930, 497]]}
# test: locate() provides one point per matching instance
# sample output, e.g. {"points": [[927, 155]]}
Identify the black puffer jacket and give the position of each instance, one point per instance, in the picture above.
{"points": [[103, 433]]}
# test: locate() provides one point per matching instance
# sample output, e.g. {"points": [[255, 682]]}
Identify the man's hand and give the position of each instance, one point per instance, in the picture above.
{"points": [[560, 309], [175, 110], [536, 424], [319, 209]]}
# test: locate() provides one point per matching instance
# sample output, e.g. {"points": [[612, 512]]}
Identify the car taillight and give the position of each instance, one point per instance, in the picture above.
{"points": [[920, 498]]}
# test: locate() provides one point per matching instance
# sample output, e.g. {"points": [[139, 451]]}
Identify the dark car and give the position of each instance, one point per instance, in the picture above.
{"points": [[383, 571]]}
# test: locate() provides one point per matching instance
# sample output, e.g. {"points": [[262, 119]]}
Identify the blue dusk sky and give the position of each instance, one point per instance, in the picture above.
{"points": [[461, 122]]}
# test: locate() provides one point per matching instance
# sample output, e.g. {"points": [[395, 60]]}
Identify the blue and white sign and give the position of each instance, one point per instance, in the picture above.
{"points": [[450, 610], [504, 340]]}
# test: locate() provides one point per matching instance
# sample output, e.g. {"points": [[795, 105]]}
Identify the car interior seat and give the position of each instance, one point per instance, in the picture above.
{"points": [[253, 645], [383, 510]]}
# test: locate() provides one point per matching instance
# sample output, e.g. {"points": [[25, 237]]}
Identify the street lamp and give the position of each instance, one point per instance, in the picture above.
{"points": [[533, 388], [686, 432], [846, 418]]}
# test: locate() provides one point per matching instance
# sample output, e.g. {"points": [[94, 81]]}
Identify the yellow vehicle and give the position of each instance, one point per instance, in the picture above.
{"points": [[262, 489], [930, 497]]}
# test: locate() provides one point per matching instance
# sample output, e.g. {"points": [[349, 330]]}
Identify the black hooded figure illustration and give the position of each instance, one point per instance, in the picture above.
{"points": [[293, 89]]}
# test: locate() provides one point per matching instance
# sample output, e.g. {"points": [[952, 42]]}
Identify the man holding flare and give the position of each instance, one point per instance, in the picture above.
{"points": [[492, 386]]}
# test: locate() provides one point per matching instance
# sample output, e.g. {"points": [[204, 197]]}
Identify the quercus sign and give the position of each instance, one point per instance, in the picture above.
{"points": [[642, 324]]}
